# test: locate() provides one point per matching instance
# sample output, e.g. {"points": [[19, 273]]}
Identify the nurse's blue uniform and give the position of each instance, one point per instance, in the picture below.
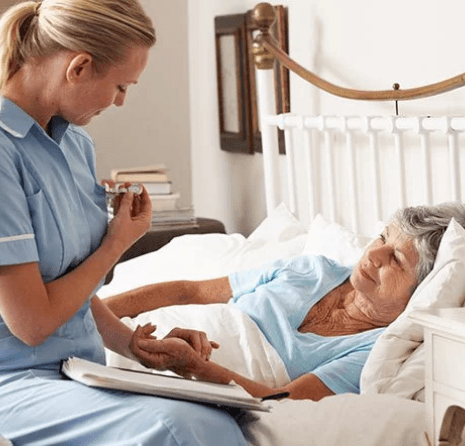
{"points": [[52, 211]]}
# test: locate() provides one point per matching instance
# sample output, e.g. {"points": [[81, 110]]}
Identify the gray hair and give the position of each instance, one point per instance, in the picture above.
{"points": [[425, 225], [103, 28]]}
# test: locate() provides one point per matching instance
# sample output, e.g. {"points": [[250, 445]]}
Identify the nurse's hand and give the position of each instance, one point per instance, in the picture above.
{"points": [[133, 214]]}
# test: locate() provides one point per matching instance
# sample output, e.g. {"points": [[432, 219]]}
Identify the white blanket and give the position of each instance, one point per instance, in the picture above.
{"points": [[341, 420]]}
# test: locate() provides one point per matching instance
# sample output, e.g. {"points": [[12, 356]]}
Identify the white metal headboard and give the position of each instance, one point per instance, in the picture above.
{"points": [[407, 153], [421, 132]]}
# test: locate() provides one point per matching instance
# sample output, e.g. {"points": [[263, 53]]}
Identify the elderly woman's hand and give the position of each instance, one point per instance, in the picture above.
{"points": [[182, 351], [196, 339]]}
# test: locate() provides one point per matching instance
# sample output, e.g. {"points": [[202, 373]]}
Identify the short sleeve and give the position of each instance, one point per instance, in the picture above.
{"points": [[17, 240], [342, 375], [245, 282]]}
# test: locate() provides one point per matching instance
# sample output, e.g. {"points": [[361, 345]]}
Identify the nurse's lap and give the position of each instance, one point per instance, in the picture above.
{"points": [[42, 408]]}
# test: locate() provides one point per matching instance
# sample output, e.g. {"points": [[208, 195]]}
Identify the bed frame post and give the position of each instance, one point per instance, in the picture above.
{"points": [[264, 16]]}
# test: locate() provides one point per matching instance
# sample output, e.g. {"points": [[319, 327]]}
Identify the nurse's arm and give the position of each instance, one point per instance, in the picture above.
{"points": [[33, 310], [181, 292], [116, 335], [121, 339]]}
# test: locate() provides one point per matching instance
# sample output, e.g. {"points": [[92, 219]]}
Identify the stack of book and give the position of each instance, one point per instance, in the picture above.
{"points": [[165, 210]]}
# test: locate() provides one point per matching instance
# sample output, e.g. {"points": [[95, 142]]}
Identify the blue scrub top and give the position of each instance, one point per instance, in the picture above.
{"points": [[279, 296], [52, 211]]}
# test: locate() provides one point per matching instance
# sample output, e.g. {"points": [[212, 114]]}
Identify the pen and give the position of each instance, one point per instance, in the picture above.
{"points": [[276, 396]]}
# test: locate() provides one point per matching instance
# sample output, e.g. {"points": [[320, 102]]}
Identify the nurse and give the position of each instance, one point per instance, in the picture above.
{"points": [[62, 62]]}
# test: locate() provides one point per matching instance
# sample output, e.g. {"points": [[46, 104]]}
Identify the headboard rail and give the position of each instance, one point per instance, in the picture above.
{"points": [[266, 50]]}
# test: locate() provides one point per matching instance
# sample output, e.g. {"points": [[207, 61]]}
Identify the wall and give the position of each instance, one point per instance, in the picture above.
{"points": [[224, 186], [153, 126]]}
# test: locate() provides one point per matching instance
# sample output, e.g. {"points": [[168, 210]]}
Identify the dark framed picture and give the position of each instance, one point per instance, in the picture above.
{"points": [[233, 83], [237, 90]]}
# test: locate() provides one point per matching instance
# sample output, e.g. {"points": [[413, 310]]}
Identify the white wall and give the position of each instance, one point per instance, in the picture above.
{"points": [[225, 186], [371, 45], [154, 124]]}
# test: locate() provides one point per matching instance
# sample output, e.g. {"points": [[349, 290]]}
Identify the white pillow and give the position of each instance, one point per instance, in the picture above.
{"points": [[334, 241], [243, 347], [346, 419], [205, 256], [279, 226], [396, 363]]}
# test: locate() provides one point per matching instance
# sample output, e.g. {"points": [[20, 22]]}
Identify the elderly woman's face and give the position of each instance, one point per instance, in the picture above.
{"points": [[385, 274]]}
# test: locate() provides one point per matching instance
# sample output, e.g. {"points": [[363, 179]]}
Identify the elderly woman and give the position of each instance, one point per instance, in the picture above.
{"points": [[322, 318], [62, 63]]}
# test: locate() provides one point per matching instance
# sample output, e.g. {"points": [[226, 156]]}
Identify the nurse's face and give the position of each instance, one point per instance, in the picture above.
{"points": [[96, 92]]}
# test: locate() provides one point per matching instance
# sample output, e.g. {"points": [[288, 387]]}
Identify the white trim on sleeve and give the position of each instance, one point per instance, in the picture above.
{"points": [[13, 238]]}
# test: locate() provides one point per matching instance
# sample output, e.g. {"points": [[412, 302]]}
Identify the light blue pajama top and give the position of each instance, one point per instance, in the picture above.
{"points": [[52, 211], [279, 296]]}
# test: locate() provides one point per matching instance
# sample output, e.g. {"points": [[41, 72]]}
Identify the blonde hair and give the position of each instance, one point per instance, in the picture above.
{"points": [[103, 28]]}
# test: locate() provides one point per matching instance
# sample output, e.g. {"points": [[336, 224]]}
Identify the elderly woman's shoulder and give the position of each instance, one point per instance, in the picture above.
{"points": [[315, 261]]}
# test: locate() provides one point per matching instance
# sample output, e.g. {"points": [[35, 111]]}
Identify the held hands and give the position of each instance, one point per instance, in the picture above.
{"points": [[182, 351]]}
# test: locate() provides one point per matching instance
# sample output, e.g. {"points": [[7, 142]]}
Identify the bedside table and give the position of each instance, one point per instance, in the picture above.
{"points": [[444, 372]]}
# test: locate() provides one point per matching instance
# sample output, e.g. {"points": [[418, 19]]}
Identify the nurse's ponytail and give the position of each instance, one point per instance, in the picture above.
{"points": [[17, 30]]}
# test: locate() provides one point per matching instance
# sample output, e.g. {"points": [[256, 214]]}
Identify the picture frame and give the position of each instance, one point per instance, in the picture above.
{"points": [[239, 125], [233, 83]]}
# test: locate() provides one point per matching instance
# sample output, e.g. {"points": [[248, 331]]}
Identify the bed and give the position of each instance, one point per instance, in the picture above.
{"points": [[344, 176]]}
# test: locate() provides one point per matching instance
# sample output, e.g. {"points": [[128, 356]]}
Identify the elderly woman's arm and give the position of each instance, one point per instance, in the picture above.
{"points": [[182, 292], [308, 386]]}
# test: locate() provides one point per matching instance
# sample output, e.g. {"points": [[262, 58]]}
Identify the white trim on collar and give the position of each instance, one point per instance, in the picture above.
{"points": [[10, 130]]}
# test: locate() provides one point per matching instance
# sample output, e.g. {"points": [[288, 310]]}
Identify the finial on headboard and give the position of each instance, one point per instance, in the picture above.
{"points": [[396, 87], [264, 16]]}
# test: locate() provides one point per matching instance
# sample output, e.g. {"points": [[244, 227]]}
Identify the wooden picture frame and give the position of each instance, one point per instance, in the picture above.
{"points": [[233, 83], [281, 34], [237, 91]]}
